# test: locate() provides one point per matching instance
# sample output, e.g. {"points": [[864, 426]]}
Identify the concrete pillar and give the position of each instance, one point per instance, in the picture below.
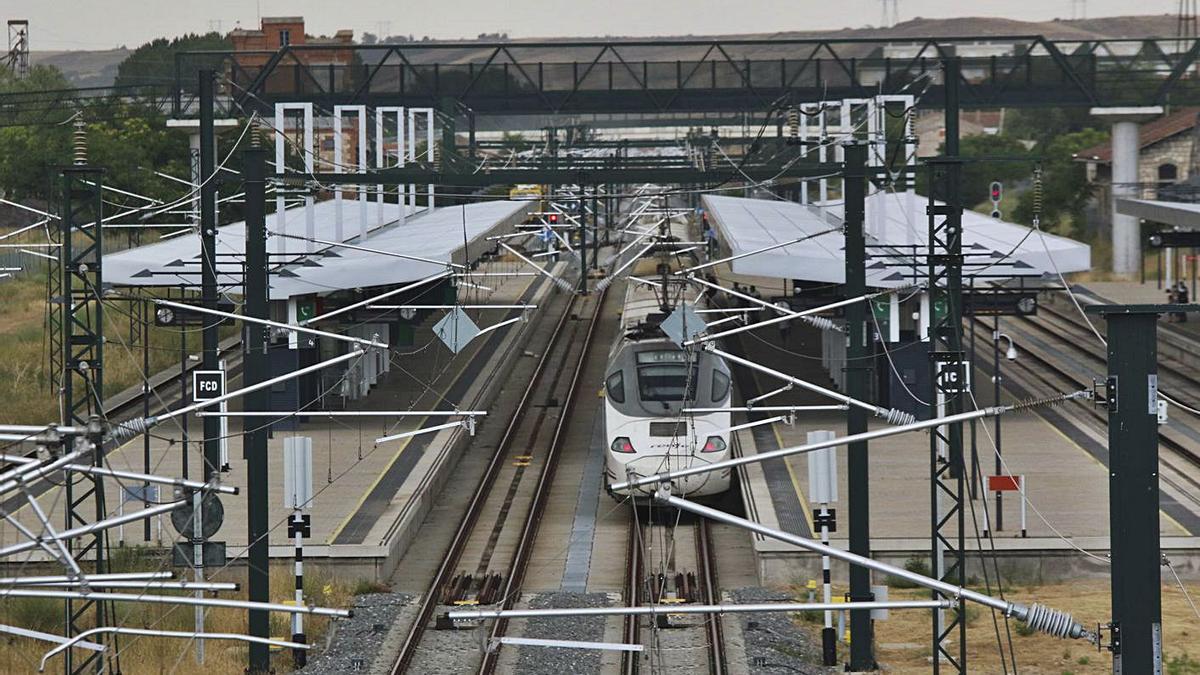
{"points": [[1126, 230]]}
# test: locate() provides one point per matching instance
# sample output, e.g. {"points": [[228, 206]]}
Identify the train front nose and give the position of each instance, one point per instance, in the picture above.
{"points": [[653, 464]]}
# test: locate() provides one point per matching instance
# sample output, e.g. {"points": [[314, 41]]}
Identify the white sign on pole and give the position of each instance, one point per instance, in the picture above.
{"points": [[223, 406], [822, 470], [297, 472]]}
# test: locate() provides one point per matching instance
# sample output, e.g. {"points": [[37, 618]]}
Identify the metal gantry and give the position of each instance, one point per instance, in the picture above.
{"points": [[685, 76], [81, 369], [950, 376]]}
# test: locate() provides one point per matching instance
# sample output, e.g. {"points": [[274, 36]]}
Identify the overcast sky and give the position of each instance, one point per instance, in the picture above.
{"points": [[102, 24]]}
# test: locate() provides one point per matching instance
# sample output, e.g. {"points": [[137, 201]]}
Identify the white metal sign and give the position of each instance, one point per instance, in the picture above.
{"points": [[297, 472], [822, 470]]}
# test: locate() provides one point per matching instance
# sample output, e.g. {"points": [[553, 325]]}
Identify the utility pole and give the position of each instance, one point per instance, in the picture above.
{"points": [[211, 465], [1131, 395], [255, 367], [858, 384]]}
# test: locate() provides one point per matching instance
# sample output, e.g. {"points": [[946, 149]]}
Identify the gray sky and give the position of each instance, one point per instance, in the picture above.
{"points": [[102, 24]]}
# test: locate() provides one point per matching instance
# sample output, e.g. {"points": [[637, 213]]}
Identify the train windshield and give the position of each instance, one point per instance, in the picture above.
{"points": [[666, 376]]}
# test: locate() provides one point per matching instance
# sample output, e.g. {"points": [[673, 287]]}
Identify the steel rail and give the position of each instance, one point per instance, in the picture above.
{"points": [[541, 495], [452, 555], [633, 592], [706, 564]]}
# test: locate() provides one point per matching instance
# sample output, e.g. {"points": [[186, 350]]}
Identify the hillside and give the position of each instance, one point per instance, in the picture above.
{"points": [[84, 68]]}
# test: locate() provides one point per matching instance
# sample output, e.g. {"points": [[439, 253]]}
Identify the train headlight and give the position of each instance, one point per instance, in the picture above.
{"points": [[714, 444], [621, 444]]}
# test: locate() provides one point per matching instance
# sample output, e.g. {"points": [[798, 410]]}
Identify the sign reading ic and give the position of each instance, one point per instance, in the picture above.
{"points": [[207, 384]]}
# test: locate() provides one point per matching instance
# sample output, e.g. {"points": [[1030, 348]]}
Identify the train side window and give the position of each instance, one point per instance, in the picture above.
{"points": [[615, 385], [720, 386]]}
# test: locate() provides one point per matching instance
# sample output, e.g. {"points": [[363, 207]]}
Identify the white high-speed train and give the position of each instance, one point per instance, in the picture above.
{"points": [[649, 380]]}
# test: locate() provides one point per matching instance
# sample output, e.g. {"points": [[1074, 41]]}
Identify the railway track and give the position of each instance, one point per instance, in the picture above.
{"points": [[672, 563], [513, 504], [1059, 354]]}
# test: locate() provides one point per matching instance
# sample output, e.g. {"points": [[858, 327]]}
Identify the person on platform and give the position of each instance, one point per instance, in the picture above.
{"points": [[1181, 297]]}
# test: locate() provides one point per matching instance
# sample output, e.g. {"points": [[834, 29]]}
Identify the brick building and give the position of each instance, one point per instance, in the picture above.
{"points": [[324, 63], [280, 31]]}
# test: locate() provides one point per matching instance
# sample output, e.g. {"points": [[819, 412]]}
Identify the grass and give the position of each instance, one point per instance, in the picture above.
{"points": [[902, 640], [1182, 664], [24, 358], [170, 655], [365, 586]]}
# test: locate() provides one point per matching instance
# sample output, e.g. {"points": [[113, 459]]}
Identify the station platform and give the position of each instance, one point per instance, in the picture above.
{"points": [[369, 497], [1061, 457]]}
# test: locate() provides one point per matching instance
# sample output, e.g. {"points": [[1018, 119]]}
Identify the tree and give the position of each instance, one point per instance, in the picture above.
{"points": [[31, 140], [514, 141], [977, 176], [1043, 125], [1065, 188], [154, 62]]}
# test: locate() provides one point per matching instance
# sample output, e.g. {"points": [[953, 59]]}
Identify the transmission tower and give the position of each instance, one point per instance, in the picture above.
{"points": [[1186, 25], [17, 58], [891, 13]]}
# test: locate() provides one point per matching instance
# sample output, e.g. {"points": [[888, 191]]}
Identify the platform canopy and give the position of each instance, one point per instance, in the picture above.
{"points": [[1179, 214], [896, 233], [450, 233]]}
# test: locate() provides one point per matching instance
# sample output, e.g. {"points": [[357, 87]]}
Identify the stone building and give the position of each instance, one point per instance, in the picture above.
{"points": [[1164, 154]]}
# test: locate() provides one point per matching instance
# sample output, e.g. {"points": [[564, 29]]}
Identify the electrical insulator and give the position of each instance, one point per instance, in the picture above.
{"points": [[1037, 195], [256, 132], [79, 140], [793, 120]]}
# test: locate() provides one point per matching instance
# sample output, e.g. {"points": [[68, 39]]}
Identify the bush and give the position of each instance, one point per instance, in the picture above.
{"points": [[914, 564], [1183, 665]]}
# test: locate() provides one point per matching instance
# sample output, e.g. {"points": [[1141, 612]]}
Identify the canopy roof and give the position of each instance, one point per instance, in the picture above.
{"points": [[896, 241], [450, 234]]}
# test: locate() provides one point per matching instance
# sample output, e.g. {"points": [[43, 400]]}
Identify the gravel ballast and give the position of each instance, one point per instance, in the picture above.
{"points": [[773, 642], [555, 660], [355, 642]]}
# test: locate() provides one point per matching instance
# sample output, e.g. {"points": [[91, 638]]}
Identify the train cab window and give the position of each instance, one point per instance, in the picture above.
{"points": [[666, 376], [720, 386], [615, 386]]}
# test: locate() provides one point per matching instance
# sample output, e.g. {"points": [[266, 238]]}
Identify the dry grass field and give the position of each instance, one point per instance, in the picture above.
{"points": [[171, 655], [903, 641]]}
